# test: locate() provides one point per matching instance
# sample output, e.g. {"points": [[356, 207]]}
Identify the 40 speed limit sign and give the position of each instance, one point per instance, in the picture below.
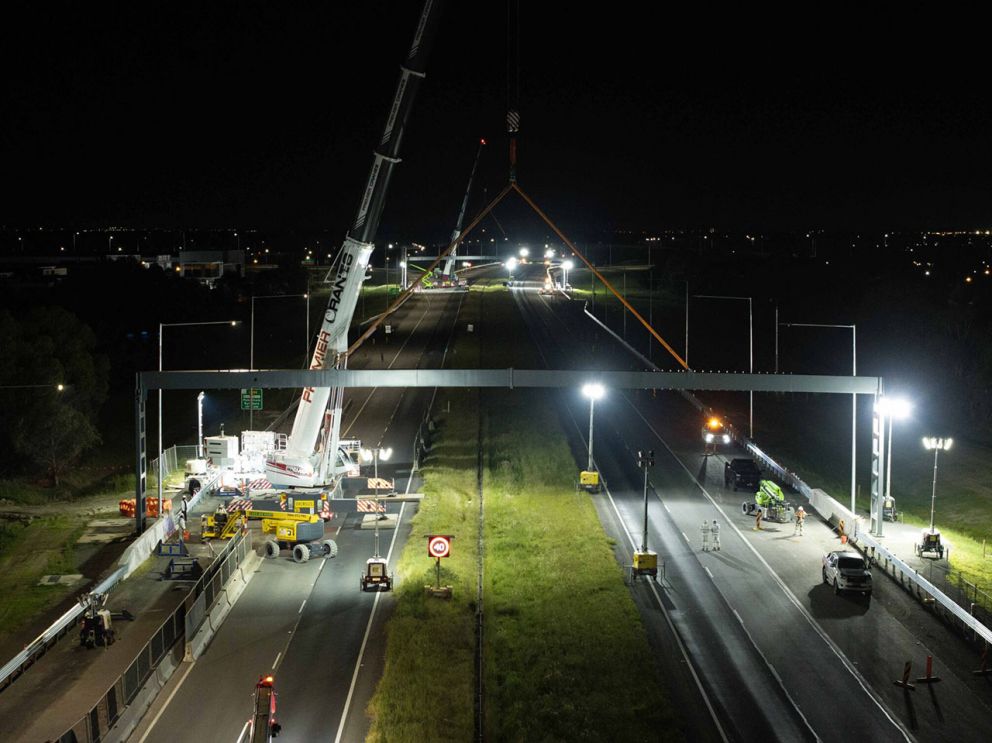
{"points": [[439, 545]]}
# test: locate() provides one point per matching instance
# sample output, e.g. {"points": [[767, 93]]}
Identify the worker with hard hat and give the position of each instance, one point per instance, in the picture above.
{"points": [[800, 520]]}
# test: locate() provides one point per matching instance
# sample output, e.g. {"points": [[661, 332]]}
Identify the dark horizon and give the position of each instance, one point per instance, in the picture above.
{"points": [[171, 116]]}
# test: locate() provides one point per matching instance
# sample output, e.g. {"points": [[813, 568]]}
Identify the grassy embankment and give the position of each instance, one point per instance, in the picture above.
{"points": [[43, 547], [563, 639]]}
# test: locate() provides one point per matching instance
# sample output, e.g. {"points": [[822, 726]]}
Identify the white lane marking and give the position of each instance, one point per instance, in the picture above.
{"points": [[243, 731], [668, 620], [276, 661], [322, 564], [304, 601], [686, 538], [368, 627], [665, 506], [862, 682], [168, 701], [651, 585], [774, 673], [706, 568]]}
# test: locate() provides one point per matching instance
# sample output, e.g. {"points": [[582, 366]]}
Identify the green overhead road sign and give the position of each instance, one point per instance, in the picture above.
{"points": [[251, 399]]}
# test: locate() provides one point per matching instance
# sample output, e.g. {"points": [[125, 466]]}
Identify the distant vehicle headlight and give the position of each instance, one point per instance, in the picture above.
{"points": [[726, 438], [708, 438]]}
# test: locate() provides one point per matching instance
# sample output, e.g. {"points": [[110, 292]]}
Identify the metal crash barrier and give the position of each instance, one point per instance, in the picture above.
{"points": [[832, 510], [167, 647]]}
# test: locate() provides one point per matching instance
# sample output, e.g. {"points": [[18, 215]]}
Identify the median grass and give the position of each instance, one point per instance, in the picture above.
{"points": [[43, 547], [563, 641]]}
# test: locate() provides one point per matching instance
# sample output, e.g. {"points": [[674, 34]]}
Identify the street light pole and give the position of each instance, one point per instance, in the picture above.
{"points": [[593, 392], [161, 327]]}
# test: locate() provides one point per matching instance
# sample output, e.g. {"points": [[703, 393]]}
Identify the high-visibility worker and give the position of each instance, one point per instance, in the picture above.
{"points": [[705, 531], [757, 518], [800, 520], [715, 535], [183, 515]]}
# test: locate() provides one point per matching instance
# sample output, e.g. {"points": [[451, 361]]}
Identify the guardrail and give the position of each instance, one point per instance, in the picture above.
{"points": [[167, 646], [831, 510], [136, 553]]}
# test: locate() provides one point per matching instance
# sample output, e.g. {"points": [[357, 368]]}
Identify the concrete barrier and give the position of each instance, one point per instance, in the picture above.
{"points": [[135, 711]]}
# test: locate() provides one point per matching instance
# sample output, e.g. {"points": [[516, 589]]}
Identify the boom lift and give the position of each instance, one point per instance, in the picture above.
{"points": [[317, 426], [300, 531], [771, 500]]}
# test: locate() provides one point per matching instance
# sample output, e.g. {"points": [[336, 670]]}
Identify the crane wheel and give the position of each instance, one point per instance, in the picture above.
{"points": [[301, 553], [330, 548], [746, 508], [272, 549]]}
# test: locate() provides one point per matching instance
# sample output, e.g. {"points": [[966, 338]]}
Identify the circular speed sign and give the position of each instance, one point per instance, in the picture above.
{"points": [[439, 546]]}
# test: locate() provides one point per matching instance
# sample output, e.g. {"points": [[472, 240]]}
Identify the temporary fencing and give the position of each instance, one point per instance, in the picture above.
{"points": [[166, 649]]}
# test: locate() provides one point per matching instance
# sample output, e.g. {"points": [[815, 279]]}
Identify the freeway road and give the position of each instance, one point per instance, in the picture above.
{"points": [[777, 651], [310, 624]]}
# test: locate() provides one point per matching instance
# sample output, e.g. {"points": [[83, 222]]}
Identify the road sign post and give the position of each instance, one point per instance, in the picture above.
{"points": [[438, 546]]}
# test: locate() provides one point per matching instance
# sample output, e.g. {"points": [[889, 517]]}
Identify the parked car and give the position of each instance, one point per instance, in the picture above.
{"points": [[847, 571], [741, 474]]}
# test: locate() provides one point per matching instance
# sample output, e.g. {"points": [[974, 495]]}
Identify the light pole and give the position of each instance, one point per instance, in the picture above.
{"points": [[566, 267], [110, 243], [199, 425], [750, 345], [162, 326], [937, 445], [251, 351], [511, 263], [645, 459], [854, 396], [898, 409], [593, 391], [374, 455]]}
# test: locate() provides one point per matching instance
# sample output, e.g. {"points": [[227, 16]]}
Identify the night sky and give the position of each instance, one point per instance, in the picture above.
{"points": [[264, 115]]}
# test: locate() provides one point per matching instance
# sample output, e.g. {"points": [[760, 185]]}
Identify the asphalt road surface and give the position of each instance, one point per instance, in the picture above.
{"points": [[310, 624], [777, 652]]}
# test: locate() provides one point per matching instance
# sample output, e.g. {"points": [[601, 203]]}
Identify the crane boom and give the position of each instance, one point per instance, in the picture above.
{"points": [[449, 264], [297, 464]]}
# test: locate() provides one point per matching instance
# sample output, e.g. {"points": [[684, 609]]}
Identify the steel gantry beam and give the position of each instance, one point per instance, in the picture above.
{"points": [[275, 379], [505, 378]]}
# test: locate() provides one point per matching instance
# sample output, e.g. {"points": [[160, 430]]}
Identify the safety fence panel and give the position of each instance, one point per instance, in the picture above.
{"points": [[169, 638]]}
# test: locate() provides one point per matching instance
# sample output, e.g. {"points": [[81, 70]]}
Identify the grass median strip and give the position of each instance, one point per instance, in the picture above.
{"points": [[564, 642]]}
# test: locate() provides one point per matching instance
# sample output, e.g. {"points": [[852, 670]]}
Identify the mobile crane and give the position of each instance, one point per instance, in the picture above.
{"points": [[313, 442]]}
